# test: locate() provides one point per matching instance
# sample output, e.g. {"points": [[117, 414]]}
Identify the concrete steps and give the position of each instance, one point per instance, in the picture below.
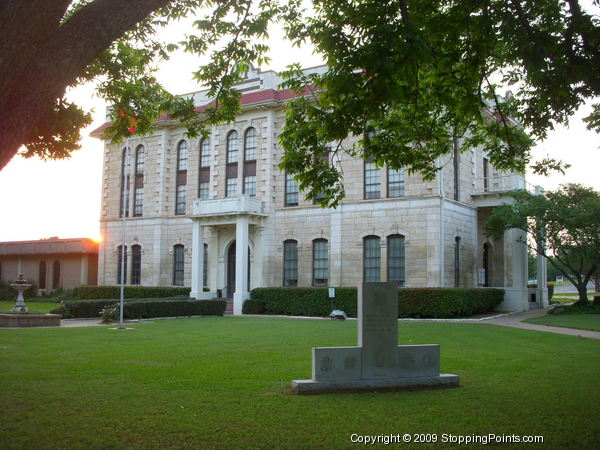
{"points": [[229, 307]]}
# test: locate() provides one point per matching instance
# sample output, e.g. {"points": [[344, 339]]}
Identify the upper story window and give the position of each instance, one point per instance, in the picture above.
{"points": [[372, 181], [205, 152], [290, 263], [178, 264], [182, 156], [204, 173], [486, 174], [396, 259], [138, 183], [395, 182], [320, 263], [124, 193], [291, 190], [136, 264], [250, 144], [371, 258], [457, 261], [231, 187], [181, 178], [232, 147], [456, 168]]}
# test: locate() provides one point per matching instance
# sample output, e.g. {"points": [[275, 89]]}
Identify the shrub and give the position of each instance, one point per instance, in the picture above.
{"points": [[412, 302], [138, 309], [114, 292], [253, 307], [596, 300], [110, 313], [8, 293]]}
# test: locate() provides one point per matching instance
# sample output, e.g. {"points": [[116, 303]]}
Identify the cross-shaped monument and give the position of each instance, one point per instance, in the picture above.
{"points": [[378, 362]]}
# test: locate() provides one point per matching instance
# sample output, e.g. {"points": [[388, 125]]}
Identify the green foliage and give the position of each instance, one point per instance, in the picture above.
{"points": [[596, 300], [577, 308], [253, 307], [412, 302], [139, 309], [114, 292], [563, 225]]}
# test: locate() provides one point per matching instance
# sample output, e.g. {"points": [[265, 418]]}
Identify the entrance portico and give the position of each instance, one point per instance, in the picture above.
{"points": [[242, 212]]}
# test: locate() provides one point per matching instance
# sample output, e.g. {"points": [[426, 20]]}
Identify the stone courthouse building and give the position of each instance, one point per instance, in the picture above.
{"points": [[217, 214]]}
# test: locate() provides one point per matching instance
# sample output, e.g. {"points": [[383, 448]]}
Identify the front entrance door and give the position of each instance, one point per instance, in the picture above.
{"points": [[231, 270]]}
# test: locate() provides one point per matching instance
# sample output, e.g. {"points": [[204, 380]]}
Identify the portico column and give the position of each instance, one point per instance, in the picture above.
{"points": [[542, 282], [241, 265], [197, 260]]}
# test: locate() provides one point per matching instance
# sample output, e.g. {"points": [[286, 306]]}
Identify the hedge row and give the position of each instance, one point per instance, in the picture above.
{"points": [[114, 292], [135, 309], [412, 302]]}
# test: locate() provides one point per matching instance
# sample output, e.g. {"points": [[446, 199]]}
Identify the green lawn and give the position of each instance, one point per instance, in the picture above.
{"points": [[216, 383], [39, 307], [579, 321]]}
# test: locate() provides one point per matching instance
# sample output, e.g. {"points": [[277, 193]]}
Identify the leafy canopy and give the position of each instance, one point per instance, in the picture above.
{"points": [[407, 77]]}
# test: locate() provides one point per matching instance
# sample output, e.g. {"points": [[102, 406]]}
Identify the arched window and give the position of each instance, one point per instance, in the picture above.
{"points": [[371, 258], [178, 264], [249, 187], [121, 264], [250, 144], [320, 263], [56, 274], [290, 263], [396, 260], [232, 147], [136, 264], [231, 169], [204, 174], [125, 177], [42, 275], [181, 177], [457, 261], [138, 190]]}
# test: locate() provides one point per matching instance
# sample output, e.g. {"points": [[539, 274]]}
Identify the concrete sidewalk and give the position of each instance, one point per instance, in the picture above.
{"points": [[515, 320]]}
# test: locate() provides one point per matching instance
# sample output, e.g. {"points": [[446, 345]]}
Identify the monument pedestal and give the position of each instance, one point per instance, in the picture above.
{"points": [[378, 363]]}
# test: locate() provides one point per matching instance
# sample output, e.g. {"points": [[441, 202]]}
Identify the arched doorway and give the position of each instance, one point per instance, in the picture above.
{"points": [[231, 270]]}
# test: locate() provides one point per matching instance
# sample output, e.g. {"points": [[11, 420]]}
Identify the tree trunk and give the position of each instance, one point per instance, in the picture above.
{"points": [[45, 57], [582, 290]]}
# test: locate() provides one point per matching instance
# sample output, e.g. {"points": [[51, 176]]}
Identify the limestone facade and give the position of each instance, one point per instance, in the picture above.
{"points": [[440, 221]]}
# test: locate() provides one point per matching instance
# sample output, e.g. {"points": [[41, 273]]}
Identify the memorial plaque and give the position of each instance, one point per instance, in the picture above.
{"points": [[418, 360], [336, 363], [378, 329]]}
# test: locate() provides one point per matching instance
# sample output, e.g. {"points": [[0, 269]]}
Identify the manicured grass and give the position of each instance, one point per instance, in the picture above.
{"points": [[39, 307], [578, 321], [216, 382]]}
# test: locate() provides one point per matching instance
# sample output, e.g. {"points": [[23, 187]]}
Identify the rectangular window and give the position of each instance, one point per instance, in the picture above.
{"points": [[291, 190], [395, 180], [486, 174], [180, 196], [372, 181], [231, 187], [290, 263], [203, 191], [396, 260], [138, 201], [320, 263], [456, 167], [372, 259], [178, 265], [250, 186]]}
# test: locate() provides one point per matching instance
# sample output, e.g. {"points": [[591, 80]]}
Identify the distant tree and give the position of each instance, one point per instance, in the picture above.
{"points": [[564, 226], [531, 265], [411, 76]]}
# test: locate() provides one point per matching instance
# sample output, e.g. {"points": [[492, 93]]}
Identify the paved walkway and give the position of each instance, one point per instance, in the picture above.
{"points": [[515, 320]]}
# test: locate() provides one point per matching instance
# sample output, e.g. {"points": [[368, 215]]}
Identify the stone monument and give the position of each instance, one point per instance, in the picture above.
{"points": [[378, 362]]}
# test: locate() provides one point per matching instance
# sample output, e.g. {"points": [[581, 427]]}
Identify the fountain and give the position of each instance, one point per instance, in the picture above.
{"points": [[20, 285]]}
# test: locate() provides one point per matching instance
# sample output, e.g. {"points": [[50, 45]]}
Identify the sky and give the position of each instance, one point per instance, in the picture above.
{"points": [[42, 199]]}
